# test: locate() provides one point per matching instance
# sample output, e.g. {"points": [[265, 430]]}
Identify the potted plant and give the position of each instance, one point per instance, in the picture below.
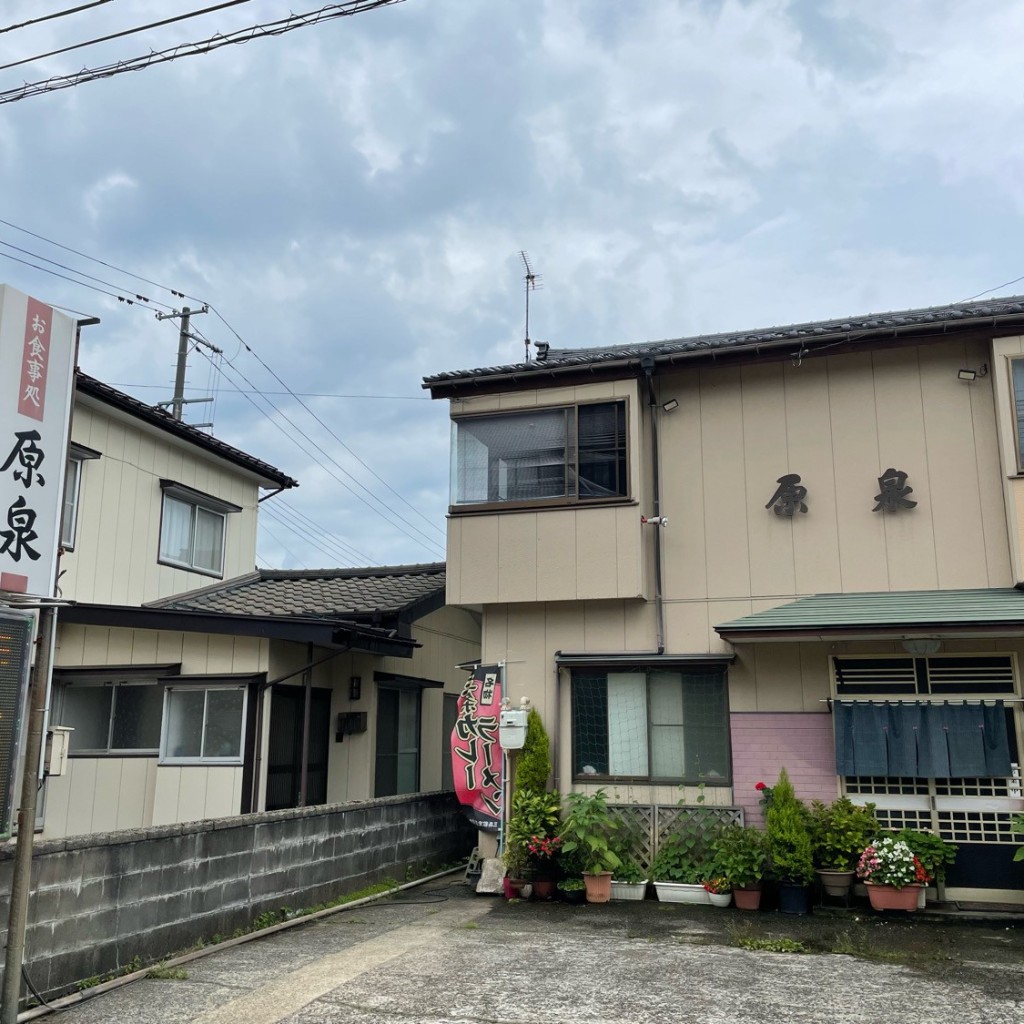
{"points": [[789, 846], [739, 854], [535, 816], [839, 832], [719, 890], [629, 881], [891, 873], [683, 860], [586, 832], [572, 890], [934, 854], [543, 852]]}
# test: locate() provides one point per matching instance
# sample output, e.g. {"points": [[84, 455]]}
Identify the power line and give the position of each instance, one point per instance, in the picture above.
{"points": [[324, 425], [1005, 284], [123, 33], [270, 29], [302, 394], [295, 440], [102, 263], [57, 14], [320, 539]]}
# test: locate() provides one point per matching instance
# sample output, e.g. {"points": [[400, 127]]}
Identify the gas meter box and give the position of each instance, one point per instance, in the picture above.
{"points": [[512, 729]]}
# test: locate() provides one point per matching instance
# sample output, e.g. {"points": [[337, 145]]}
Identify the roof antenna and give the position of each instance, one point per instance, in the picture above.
{"points": [[532, 284]]}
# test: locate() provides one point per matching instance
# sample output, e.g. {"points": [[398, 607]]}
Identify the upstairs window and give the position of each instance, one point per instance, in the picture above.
{"points": [[192, 527], [77, 457], [560, 455], [1017, 377]]}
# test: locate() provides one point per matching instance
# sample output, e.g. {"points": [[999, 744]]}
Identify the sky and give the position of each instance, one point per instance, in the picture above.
{"points": [[351, 198]]}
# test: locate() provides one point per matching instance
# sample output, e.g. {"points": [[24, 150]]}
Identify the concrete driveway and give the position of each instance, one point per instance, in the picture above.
{"points": [[440, 954]]}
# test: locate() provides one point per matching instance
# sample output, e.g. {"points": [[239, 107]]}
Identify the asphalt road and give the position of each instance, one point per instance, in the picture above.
{"points": [[438, 954]]}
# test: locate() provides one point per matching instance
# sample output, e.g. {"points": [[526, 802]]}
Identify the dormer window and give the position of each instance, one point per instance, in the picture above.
{"points": [[560, 455]]}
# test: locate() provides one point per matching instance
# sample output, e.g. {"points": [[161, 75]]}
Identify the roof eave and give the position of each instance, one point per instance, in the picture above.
{"points": [[900, 631]]}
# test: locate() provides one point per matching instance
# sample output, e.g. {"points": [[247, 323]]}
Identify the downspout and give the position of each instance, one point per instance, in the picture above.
{"points": [[647, 365], [307, 678]]}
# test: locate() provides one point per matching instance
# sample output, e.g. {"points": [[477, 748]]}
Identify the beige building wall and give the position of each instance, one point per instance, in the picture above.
{"points": [[114, 560], [100, 794], [554, 554]]}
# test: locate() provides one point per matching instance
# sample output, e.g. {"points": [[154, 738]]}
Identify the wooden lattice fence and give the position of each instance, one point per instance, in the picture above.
{"points": [[644, 826]]}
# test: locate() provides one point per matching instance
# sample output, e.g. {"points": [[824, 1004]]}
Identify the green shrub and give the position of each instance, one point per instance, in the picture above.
{"points": [[839, 832], [533, 765], [935, 854], [789, 839], [586, 832], [739, 854]]}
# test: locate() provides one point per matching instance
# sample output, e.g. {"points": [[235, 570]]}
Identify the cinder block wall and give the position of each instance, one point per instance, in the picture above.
{"points": [[766, 741], [99, 901]]}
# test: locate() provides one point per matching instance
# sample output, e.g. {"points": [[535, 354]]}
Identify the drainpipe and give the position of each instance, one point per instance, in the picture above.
{"points": [[647, 366], [307, 679]]}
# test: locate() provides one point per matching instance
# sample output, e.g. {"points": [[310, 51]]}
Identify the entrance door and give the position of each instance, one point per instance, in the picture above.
{"points": [[284, 753]]}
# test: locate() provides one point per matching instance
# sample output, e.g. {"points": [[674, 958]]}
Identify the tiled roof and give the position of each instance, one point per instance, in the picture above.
{"points": [[327, 593], [936, 320], [912, 611], [270, 476]]}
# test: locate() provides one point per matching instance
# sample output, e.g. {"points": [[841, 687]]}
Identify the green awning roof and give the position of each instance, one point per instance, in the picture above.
{"points": [[947, 613]]}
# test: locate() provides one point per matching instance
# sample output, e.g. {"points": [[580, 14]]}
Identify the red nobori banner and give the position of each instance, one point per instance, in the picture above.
{"points": [[476, 752]]}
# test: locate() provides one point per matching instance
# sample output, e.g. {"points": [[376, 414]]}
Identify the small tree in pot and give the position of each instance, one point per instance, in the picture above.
{"points": [[839, 832], [789, 846], [586, 834]]}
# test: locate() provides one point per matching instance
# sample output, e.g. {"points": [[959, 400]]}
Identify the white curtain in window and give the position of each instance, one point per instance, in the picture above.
{"points": [[627, 723], [209, 546], [176, 531], [668, 741], [69, 517]]}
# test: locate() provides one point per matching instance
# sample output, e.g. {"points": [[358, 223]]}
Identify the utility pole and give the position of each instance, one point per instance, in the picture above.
{"points": [[179, 401], [21, 878]]}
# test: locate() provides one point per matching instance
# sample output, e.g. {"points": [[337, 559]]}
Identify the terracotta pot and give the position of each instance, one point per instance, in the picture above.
{"points": [[748, 898], [888, 897], [543, 888], [599, 886]]}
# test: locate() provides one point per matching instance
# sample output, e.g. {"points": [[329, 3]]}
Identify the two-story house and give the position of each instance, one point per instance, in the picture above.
{"points": [[198, 688], [709, 558]]}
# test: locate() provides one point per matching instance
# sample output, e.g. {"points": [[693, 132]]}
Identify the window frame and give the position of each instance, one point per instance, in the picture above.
{"points": [[196, 501], [1017, 412], [399, 689], [684, 670], [78, 454], [559, 501], [98, 683], [206, 688]]}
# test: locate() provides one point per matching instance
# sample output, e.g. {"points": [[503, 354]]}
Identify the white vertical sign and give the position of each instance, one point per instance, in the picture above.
{"points": [[37, 354]]}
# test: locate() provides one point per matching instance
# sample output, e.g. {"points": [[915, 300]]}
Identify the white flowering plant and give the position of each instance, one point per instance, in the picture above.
{"points": [[889, 861]]}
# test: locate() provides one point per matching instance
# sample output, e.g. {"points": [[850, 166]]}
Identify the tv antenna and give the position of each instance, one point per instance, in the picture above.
{"points": [[532, 281]]}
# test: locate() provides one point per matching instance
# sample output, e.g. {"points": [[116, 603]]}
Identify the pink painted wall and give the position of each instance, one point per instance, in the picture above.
{"points": [[764, 742]]}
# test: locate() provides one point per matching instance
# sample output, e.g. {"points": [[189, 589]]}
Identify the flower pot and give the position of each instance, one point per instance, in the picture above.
{"points": [[748, 897], [794, 899], [572, 895], [681, 892], [599, 886], [628, 890], [720, 899], [888, 897], [836, 883], [544, 888], [511, 888], [922, 898]]}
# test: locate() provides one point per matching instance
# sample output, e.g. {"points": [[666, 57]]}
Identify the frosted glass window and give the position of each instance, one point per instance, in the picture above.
{"points": [[627, 723], [397, 768], [204, 724], [667, 725]]}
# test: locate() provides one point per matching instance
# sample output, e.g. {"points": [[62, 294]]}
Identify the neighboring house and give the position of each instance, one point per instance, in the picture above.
{"points": [[192, 699], [845, 506]]}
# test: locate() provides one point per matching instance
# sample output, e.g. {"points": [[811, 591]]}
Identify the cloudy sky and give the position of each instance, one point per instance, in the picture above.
{"points": [[351, 198]]}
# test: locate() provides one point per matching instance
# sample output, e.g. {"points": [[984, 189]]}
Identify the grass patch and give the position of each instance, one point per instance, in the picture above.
{"points": [[168, 974], [772, 945], [470, 926]]}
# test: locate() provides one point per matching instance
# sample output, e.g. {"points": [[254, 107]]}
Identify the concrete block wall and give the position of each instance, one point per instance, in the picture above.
{"points": [[100, 900], [763, 742]]}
